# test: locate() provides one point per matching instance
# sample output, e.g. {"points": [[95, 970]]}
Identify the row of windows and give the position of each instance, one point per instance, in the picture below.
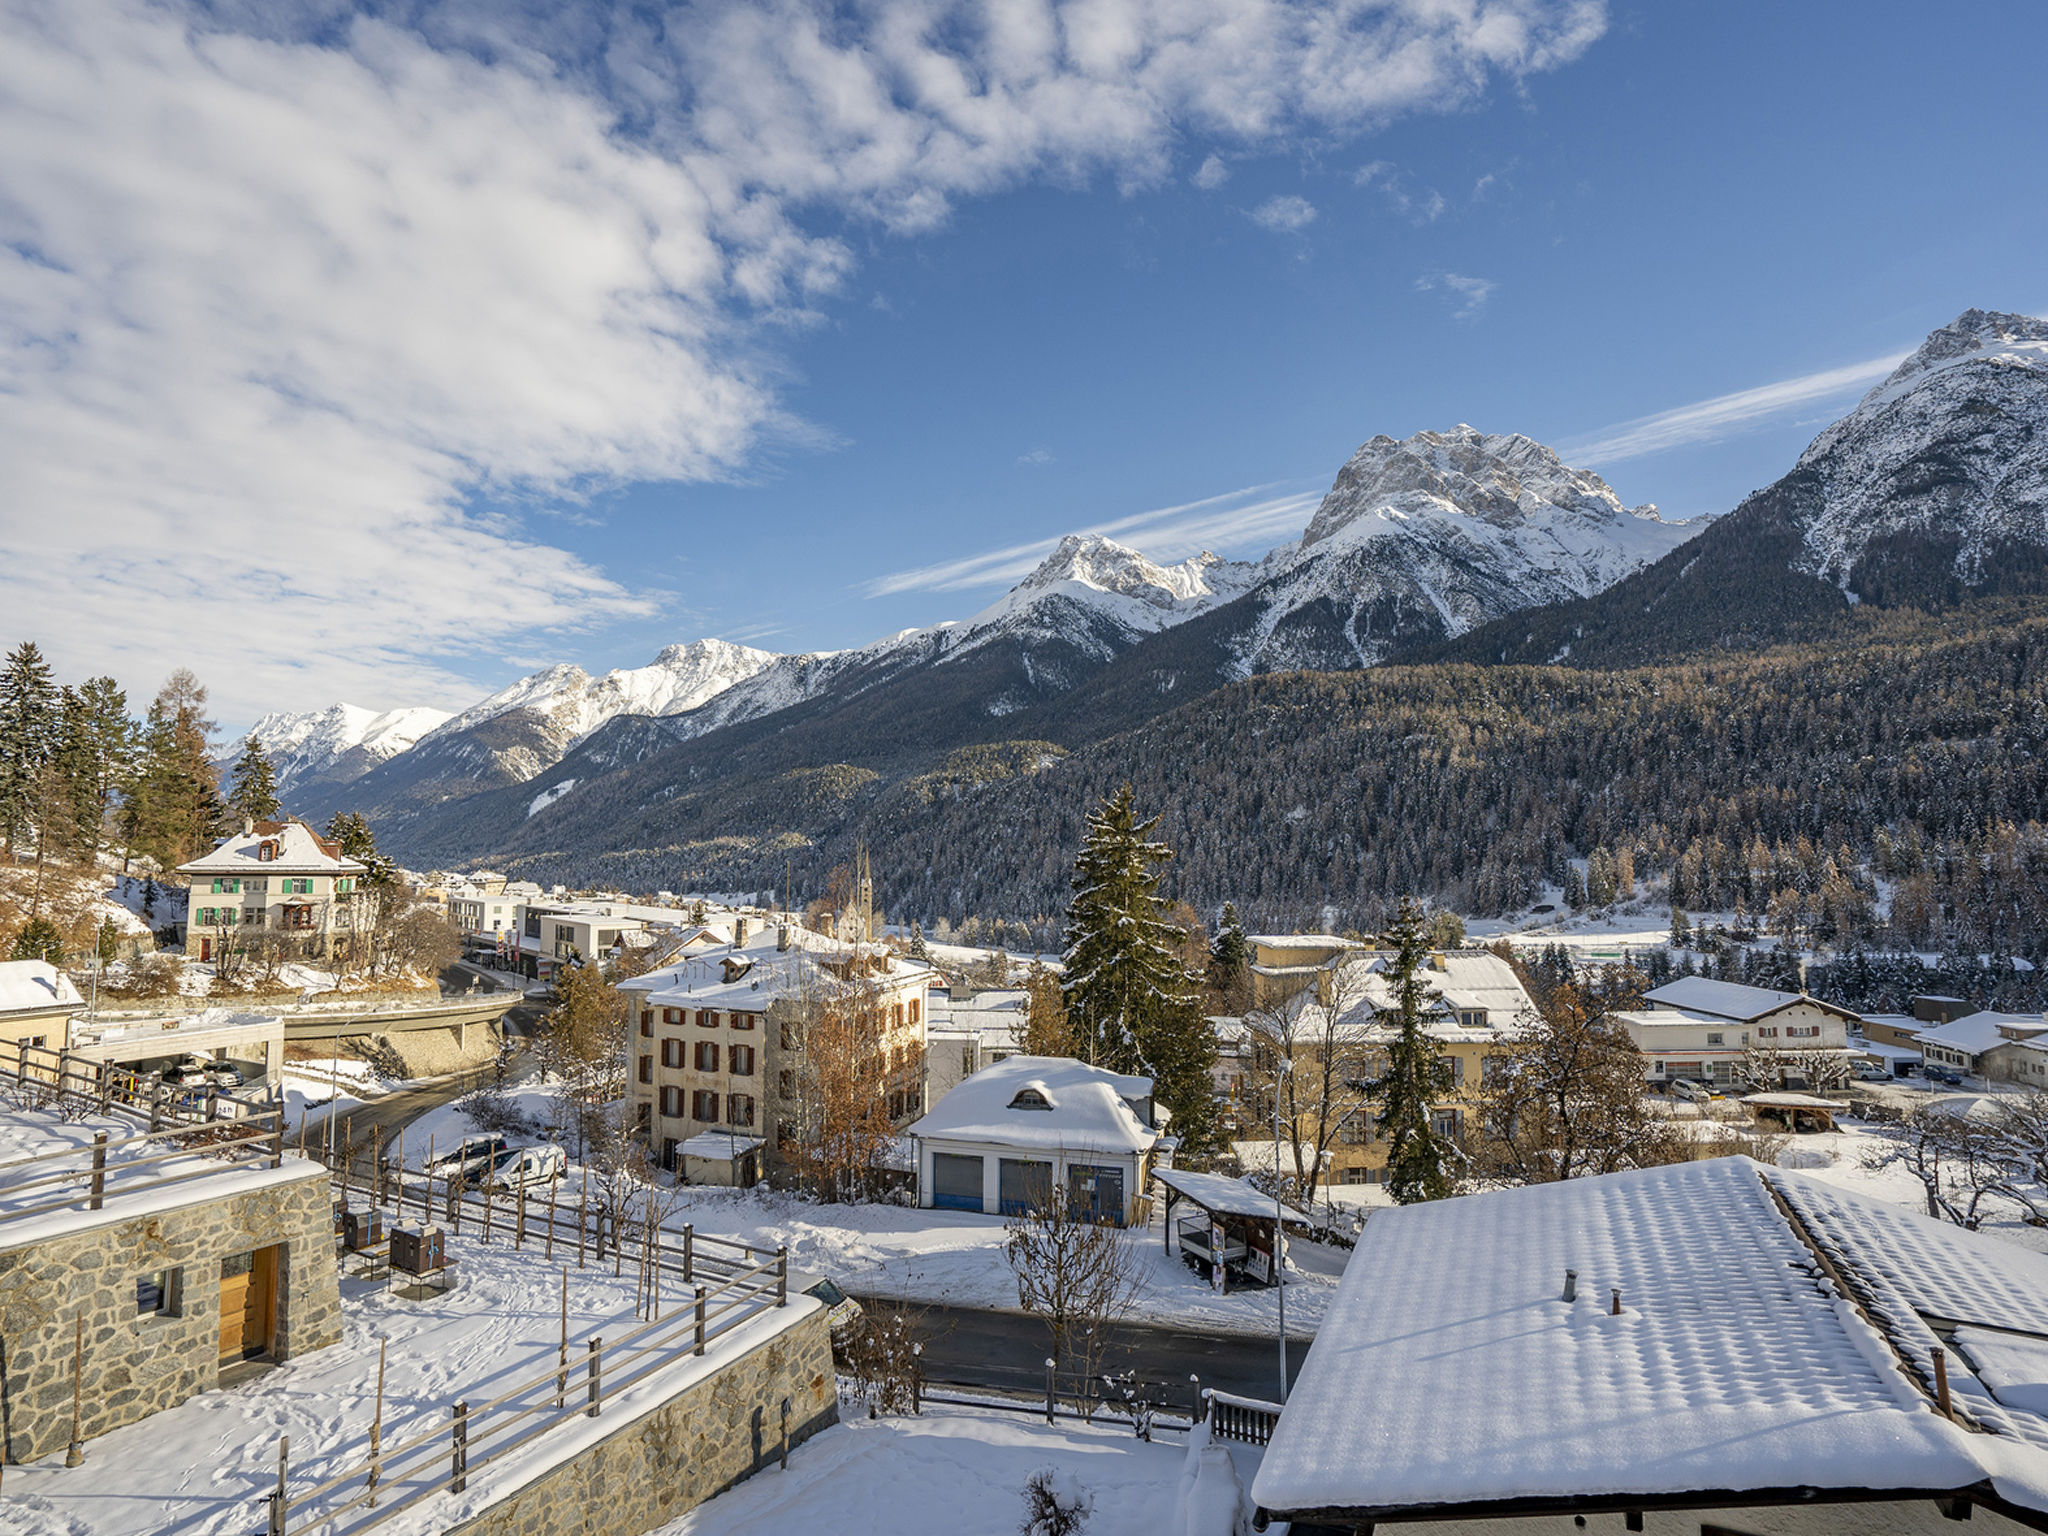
{"points": [[741, 1059], [704, 1105], [704, 1018]]}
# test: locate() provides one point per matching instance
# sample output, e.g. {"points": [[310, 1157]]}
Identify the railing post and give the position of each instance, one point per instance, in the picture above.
{"points": [[689, 1251], [284, 1448], [459, 1478], [700, 1320], [596, 1375], [99, 1170], [782, 1276]]}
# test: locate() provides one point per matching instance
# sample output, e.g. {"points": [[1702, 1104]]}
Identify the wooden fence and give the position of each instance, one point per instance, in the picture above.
{"points": [[1246, 1419], [440, 1454]]}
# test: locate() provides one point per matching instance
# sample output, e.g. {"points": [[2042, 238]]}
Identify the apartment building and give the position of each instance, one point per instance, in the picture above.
{"points": [[717, 1081]]}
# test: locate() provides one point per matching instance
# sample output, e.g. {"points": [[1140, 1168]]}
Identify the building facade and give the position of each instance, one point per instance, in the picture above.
{"points": [[273, 878], [37, 1004]]}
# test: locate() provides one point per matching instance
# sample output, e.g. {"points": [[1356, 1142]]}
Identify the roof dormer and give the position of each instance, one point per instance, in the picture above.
{"points": [[1032, 1095]]}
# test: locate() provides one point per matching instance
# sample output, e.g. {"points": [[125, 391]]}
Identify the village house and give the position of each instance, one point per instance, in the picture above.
{"points": [[1680, 1046], [1283, 964], [1477, 1011], [1593, 1354], [37, 1003], [271, 878], [970, 1028], [2011, 1047], [717, 1083], [1009, 1136]]}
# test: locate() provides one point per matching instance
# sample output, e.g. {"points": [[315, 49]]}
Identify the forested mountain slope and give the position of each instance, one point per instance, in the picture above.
{"points": [[1911, 740]]}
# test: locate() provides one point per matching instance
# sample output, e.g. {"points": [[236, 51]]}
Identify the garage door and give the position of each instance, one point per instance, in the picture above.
{"points": [[1095, 1194], [1023, 1186], [956, 1182]]}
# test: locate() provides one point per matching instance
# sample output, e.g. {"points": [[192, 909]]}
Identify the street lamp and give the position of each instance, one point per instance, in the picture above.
{"points": [[1279, 1255]]}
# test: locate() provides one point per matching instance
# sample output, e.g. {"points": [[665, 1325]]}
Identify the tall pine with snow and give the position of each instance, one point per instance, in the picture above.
{"points": [[1419, 1160], [1131, 1004], [28, 736], [253, 792]]}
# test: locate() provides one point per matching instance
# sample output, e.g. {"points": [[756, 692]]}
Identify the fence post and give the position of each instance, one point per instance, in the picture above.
{"points": [[689, 1251], [700, 1320], [782, 1276], [596, 1376], [785, 1432], [106, 1072], [459, 1479], [284, 1448], [277, 1141], [99, 1170]]}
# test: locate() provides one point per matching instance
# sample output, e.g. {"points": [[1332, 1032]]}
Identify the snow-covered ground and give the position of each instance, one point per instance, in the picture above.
{"points": [[953, 1471], [951, 1258], [203, 1468]]}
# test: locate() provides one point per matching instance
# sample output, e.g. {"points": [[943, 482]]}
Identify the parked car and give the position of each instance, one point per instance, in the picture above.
{"points": [[476, 1155], [525, 1167], [1947, 1075], [1695, 1093], [1869, 1072], [843, 1315]]}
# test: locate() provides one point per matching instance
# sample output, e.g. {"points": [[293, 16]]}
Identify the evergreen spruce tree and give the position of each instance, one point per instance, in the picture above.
{"points": [[253, 793], [1418, 1159], [28, 736], [174, 810], [1130, 1001], [918, 948], [358, 842], [39, 940], [1229, 956]]}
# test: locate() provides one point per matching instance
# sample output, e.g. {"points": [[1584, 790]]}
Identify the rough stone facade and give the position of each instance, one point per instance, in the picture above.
{"points": [[670, 1459], [136, 1365]]}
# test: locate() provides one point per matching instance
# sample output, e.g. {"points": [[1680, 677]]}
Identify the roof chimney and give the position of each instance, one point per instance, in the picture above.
{"points": [[782, 937]]}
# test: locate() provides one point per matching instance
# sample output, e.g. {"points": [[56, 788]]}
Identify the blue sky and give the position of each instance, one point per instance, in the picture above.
{"points": [[782, 373]]}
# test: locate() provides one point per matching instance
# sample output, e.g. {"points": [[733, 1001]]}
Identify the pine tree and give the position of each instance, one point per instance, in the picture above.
{"points": [[1230, 956], [352, 833], [28, 736], [39, 940], [254, 791], [1418, 1159], [918, 949], [174, 810], [1130, 1001]]}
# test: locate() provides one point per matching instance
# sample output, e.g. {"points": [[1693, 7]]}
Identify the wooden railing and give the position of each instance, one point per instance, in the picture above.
{"points": [[91, 1177], [440, 1456], [1246, 1419]]}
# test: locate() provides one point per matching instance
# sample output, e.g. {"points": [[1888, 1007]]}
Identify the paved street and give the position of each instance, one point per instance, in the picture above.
{"points": [[1008, 1350]]}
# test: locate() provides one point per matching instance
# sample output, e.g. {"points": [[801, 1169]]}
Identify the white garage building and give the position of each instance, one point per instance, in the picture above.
{"points": [[1008, 1136]]}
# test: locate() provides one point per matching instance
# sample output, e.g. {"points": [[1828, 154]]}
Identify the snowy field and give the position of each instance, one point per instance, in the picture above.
{"points": [[203, 1468], [961, 1472]]}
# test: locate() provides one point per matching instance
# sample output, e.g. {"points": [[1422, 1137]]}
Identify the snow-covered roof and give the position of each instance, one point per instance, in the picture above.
{"points": [[35, 986], [1730, 999], [1978, 1032], [1668, 1018], [765, 972], [1790, 1101], [299, 850], [1460, 979], [719, 1146], [1088, 1109], [1225, 1197], [1449, 1372]]}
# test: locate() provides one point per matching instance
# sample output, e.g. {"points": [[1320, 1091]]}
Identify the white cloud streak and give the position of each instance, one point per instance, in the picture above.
{"points": [[1247, 521], [1284, 215], [1725, 416], [280, 312], [1471, 293]]}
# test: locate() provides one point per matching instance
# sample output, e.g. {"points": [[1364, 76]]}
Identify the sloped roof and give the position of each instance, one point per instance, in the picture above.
{"points": [[1732, 999], [35, 986], [300, 850], [1977, 1032], [1459, 979], [1088, 1113], [1449, 1373], [1225, 1197]]}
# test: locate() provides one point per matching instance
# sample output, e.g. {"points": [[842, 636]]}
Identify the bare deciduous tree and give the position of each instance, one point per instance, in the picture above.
{"points": [[1079, 1275], [1964, 1157], [842, 1070], [1332, 1064]]}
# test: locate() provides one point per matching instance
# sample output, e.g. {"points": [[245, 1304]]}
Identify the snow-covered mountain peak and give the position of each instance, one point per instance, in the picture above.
{"points": [[1948, 456], [1092, 560], [306, 743], [1502, 480]]}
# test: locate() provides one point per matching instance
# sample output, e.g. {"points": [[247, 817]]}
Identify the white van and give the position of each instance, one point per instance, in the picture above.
{"points": [[526, 1167]]}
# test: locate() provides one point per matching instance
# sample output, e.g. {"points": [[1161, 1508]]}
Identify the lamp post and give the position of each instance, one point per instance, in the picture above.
{"points": [[1279, 1257]]}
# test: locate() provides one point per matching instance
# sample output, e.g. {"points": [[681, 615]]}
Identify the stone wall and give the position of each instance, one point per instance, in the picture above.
{"points": [[670, 1459], [138, 1365]]}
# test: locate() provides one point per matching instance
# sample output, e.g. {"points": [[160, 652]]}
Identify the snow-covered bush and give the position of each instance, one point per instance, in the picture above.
{"points": [[1055, 1504]]}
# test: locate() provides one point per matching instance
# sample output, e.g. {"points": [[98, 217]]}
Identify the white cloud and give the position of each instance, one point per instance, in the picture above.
{"points": [[1035, 457], [1724, 416], [1469, 293], [1247, 521], [1212, 174], [1418, 204], [1285, 214], [278, 314]]}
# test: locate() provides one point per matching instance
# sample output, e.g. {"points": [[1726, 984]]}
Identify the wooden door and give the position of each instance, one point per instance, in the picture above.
{"points": [[248, 1304]]}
